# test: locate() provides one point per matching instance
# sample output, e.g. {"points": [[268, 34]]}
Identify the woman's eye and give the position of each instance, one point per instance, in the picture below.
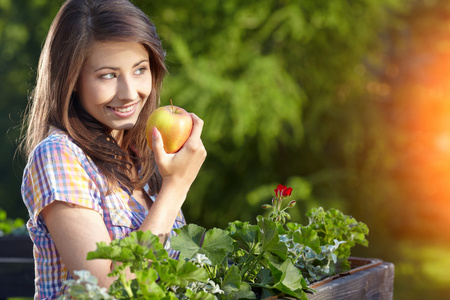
{"points": [[141, 71], [108, 76]]}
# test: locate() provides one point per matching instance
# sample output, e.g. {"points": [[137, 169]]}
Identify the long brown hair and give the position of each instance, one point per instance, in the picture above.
{"points": [[76, 27]]}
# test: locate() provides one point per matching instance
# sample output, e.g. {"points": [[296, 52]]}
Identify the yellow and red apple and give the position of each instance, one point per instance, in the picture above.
{"points": [[174, 125]]}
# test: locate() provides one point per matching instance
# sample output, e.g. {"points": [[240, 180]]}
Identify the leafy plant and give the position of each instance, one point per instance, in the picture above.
{"points": [[334, 225], [274, 257], [157, 275], [245, 261], [85, 288], [11, 226]]}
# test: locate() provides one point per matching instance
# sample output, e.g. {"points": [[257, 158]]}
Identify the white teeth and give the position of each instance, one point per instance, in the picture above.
{"points": [[123, 110]]}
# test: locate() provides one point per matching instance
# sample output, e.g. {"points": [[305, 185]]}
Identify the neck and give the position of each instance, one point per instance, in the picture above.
{"points": [[118, 136]]}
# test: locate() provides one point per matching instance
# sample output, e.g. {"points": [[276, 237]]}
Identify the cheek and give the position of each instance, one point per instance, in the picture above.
{"points": [[95, 94], [146, 85]]}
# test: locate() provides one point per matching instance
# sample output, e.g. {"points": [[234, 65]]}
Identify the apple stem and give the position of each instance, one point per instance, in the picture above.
{"points": [[171, 104]]}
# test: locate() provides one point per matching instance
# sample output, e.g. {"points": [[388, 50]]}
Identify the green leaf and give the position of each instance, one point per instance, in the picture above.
{"points": [[307, 237], [188, 240], [189, 272], [247, 236], [292, 226], [105, 251], [167, 273], [265, 278], [268, 293], [150, 289], [233, 286], [200, 295], [232, 280], [287, 278], [270, 239], [132, 249], [334, 225], [192, 239]]}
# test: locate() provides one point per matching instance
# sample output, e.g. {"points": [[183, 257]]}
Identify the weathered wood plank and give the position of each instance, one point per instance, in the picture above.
{"points": [[375, 283]]}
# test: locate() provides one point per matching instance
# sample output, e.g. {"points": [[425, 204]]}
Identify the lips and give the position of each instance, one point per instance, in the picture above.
{"points": [[123, 111]]}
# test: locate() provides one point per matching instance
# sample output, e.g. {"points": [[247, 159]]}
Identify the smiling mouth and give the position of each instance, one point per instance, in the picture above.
{"points": [[123, 109]]}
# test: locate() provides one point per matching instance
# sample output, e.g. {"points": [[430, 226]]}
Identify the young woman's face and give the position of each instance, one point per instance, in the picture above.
{"points": [[114, 83]]}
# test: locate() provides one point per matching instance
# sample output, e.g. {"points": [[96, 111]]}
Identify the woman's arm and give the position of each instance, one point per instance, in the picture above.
{"points": [[178, 171], [75, 230]]}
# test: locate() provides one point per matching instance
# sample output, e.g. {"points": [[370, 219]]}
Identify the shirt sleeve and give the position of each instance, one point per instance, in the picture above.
{"points": [[56, 172]]}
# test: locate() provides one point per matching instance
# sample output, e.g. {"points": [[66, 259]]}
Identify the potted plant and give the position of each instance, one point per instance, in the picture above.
{"points": [[273, 258], [16, 259]]}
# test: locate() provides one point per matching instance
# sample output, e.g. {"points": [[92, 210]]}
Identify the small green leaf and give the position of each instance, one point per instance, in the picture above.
{"points": [[200, 296], [287, 278], [189, 272], [105, 251], [265, 278], [307, 237], [270, 239], [232, 280], [248, 236], [192, 239], [234, 287], [188, 240], [150, 289]]}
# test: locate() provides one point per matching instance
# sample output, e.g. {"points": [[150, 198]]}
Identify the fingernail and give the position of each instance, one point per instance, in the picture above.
{"points": [[155, 133]]}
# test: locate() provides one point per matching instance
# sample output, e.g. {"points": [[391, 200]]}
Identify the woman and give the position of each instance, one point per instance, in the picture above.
{"points": [[90, 175]]}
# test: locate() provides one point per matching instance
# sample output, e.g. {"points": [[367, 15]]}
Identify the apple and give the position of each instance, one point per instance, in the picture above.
{"points": [[174, 124]]}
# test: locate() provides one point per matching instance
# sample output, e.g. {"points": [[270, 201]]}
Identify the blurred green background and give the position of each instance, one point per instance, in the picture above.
{"points": [[346, 101]]}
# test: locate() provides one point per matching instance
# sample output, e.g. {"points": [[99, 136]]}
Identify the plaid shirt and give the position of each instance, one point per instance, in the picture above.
{"points": [[59, 170]]}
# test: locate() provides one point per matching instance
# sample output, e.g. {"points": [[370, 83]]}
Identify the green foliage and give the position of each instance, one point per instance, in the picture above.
{"points": [[280, 85], [213, 243], [273, 257], [281, 88], [11, 226], [85, 288], [23, 27], [157, 275], [244, 261], [334, 225]]}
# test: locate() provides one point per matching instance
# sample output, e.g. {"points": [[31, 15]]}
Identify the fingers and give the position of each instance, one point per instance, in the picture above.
{"points": [[197, 126], [157, 143], [181, 167], [194, 143]]}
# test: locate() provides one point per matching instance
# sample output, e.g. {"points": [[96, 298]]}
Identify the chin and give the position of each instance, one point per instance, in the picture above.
{"points": [[126, 126]]}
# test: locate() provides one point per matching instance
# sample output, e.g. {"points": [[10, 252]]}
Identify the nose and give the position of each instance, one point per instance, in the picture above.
{"points": [[126, 89]]}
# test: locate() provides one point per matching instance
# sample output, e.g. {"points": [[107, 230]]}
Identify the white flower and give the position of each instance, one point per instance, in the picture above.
{"points": [[200, 259], [213, 287]]}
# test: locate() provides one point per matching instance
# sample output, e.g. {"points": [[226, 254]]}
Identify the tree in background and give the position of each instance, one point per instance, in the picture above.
{"points": [[23, 27], [281, 86]]}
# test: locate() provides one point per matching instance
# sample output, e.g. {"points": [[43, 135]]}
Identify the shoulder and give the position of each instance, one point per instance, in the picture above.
{"points": [[59, 155], [57, 140], [57, 146]]}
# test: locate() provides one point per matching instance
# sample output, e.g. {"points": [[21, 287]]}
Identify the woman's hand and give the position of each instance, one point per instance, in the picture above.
{"points": [[180, 169]]}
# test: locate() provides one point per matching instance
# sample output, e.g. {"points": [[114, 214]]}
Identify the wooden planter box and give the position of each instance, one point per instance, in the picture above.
{"points": [[368, 279], [16, 267]]}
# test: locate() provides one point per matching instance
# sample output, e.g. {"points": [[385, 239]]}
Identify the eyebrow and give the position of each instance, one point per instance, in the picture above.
{"points": [[116, 68]]}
